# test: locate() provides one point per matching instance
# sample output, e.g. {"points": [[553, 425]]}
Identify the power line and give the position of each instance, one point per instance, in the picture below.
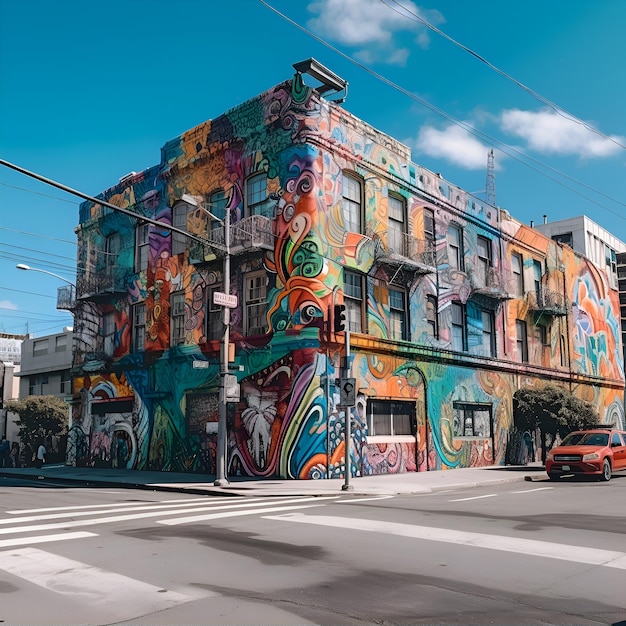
{"points": [[23, 232], [38, 193], [509, 150], [537, 96]]}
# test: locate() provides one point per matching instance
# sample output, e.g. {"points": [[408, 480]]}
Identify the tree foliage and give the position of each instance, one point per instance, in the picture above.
{"points": [[39, 416], [553, 410]]}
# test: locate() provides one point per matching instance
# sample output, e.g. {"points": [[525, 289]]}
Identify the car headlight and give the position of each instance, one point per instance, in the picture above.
{"points": [[550, 457], [594, 456]]}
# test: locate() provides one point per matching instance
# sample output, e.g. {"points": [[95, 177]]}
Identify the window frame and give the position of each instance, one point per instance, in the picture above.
{"points": [[521, 340], [255, 305], [518, 276], [214, 326], [142, 246], [396, 232], [255, 194], [108, 333], [461, 327], [400, 425], [177, 318], [398, 314], [180, 212], [456, 251], [139, 327], [465, 415], [489, 336], [65, 384], [354, 299], [352, 202], [432, 320], [112, 247], [484, 260], [429, 232]]}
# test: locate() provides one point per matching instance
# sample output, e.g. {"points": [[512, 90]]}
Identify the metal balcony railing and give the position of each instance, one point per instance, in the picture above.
{"points": [[547, 302], [94, 284], [66, 298], [398, 248], [491, 282], [251, 232]]}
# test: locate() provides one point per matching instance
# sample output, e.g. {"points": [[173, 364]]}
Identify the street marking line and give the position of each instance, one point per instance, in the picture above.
{"points": [[209, 516], [135, 516], [527, 547], [112, 595], [489, 495], [26, 541], [166, 508], [371, 499], [533, 490], [120, 504]]}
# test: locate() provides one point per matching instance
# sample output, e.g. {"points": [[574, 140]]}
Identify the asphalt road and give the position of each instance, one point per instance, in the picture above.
{"points": [[518, 553]]}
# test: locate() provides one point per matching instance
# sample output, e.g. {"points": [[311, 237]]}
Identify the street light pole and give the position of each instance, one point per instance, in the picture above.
{"points": [[222, 419], [23, 266]]}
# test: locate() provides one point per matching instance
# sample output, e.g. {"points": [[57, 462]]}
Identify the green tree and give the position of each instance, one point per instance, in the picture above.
{"points": [[553, 411], [39, 416]]}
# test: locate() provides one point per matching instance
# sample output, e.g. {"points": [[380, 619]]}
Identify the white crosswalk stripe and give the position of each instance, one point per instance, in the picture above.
{"points": [[35, 526]]}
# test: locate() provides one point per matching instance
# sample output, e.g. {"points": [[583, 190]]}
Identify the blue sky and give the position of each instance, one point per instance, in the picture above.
{"points": [[92, 90]]}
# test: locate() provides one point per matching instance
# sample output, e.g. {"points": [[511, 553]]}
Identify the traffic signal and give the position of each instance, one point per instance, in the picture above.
{"points": [[339, 319]]}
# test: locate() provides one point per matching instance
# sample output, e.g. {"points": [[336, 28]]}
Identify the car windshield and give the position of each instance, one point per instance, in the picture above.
{"points": [[587, 439]]}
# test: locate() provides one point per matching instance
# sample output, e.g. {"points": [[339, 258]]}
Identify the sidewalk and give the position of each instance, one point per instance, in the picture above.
{"points": [[394, 484]]}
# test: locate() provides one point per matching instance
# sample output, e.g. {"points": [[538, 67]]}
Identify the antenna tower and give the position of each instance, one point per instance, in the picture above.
{"points": [[490, 187]]}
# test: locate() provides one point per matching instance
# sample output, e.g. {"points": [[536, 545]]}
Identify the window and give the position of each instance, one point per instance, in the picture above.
{"points": [[40, 347], [111, 251], [177, 308], [518, 276], [60, 343], [353, 299], [389, 417], [36, 384], [108, 330], [563, 357], [455, 247], [537, 272], [472, 420], [139, 327], [432, 316], [256, 303], [397, 314], [395, 235], [522, 341], [616, 440], [142, 246], [429, 227], [457, 330], [541, 334], [214, 326], [179, 220], [217, 206], [66, 382], [484, 260], [489, 333], [351, 204], [256, 194]]}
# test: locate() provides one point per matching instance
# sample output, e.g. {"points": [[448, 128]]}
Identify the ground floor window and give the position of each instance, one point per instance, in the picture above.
{"points": [[390, 417], [472, 420]]}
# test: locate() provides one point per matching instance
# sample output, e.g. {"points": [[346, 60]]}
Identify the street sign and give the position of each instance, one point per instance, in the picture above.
{"points": [[200, 365], [231, 388], [347, 392], [225, 299]]}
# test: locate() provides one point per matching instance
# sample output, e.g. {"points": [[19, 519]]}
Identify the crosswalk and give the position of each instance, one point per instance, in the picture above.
{"points": [[35, 526]]}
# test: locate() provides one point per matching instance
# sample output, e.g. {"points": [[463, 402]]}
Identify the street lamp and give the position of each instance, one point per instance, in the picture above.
{"points": [[220, 473], [23, 266]]}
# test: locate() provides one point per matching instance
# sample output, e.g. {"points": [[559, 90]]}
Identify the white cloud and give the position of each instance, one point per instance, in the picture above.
{"points": [[454, 144], [7, 304], [549, 132], [371, 26]]}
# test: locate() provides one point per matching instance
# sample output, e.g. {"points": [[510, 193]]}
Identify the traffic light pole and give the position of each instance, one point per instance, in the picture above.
{"points": [[348, 419]]}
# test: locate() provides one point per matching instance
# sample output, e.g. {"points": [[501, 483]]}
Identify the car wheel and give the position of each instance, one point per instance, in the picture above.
{"points": [[606, 470], [553, 476]]}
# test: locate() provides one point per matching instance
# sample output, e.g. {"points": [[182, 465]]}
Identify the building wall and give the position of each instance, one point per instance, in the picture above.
{"points": [[159, 407]]}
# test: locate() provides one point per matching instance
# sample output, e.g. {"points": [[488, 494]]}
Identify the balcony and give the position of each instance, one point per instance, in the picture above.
{"points": [[397, 249], [490, 283], [99, 285], [251, 233], [66, 298], [546, 302]]}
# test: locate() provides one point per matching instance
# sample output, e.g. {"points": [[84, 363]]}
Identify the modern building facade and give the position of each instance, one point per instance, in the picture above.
{"points": [[450, 305]]}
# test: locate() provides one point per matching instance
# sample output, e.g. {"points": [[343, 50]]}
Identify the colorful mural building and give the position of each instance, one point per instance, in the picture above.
{"points": [[338, 242]]}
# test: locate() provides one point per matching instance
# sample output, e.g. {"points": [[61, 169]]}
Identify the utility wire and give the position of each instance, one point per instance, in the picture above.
{"points": [[23, 232], [38, 193], [537, 96], [468, 128]]}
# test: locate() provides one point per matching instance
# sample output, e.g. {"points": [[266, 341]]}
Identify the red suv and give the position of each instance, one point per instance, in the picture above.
{"points": [[597, 451]]}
